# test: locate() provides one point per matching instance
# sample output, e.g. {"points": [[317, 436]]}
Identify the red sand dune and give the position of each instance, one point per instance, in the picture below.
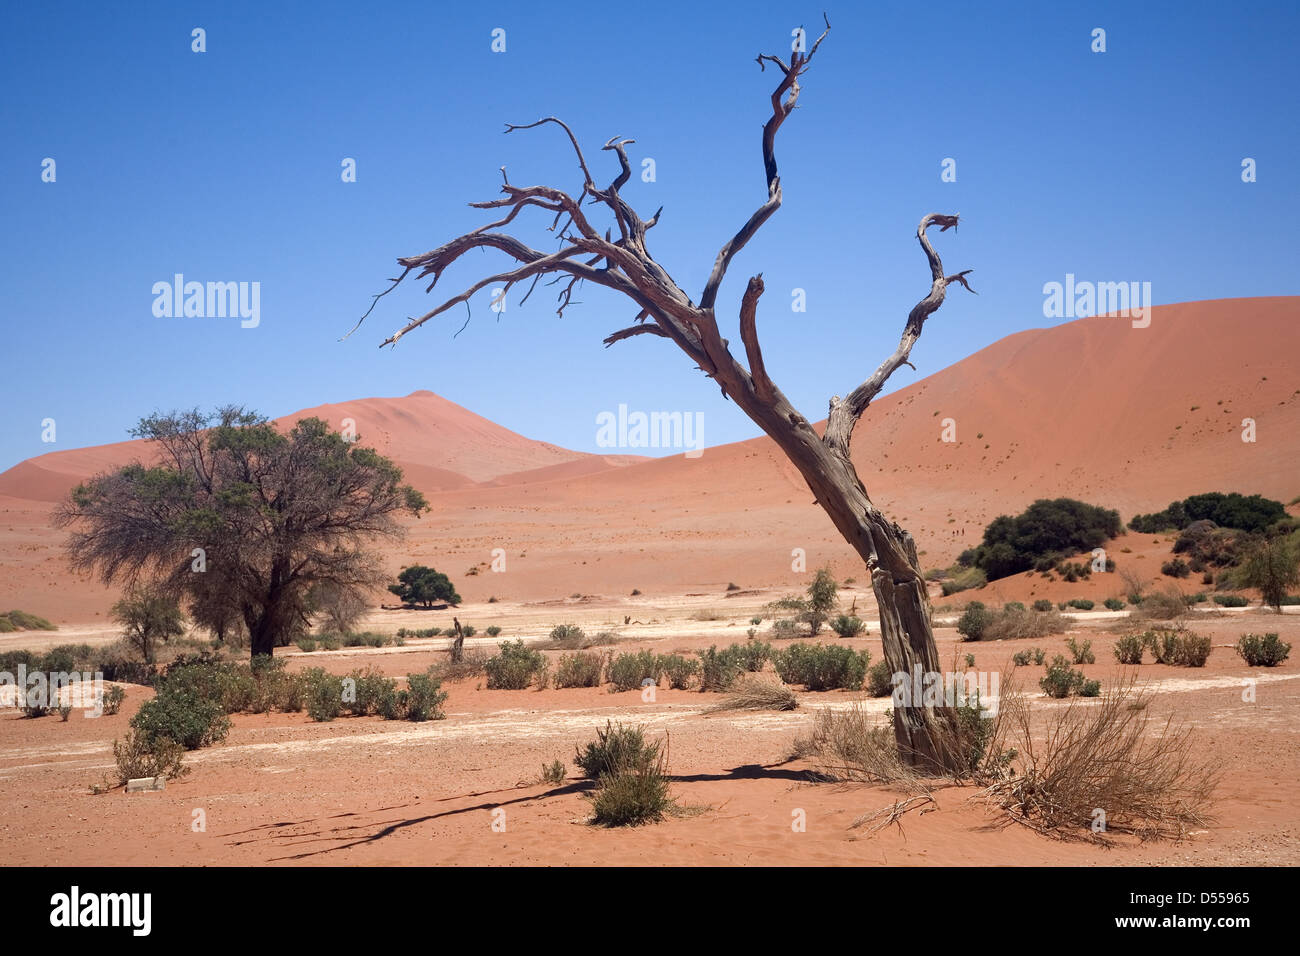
{"points": [[1093, 409]]}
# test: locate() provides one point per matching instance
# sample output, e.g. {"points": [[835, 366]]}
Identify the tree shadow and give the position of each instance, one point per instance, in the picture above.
{"points": [[348, 836]]}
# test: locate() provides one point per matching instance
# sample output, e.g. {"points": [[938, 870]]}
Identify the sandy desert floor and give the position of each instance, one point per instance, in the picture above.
{"points": [[357, 791]]}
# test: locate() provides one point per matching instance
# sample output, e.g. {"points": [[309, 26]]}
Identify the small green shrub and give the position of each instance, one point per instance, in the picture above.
{"points": [[717, 669], [1114, 604], [1262, 650], [1061, 680], [631, 797], [1082, 653], [515, 667], [424, 696], [1177, 646], [138, 755], [616, 747], [1193, 650], [567, 633], [678, 670], [1042, 604], [22, 621], [629, 671], [1230, 600], [306, 644], [182, 716], [113, 698], [974, 621], [822, 666], [580, 669], [751, 655], [847, 625], [880, 680], [554, 773], [323, 694], [785, 627], [1128, 649], [492, 630], [367, 692], [1083, 604]]}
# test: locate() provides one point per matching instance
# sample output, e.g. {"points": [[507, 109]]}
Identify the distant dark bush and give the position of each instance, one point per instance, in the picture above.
{"points": [[1042, 604], [1050, 529], [1230, 600], [1233, 510], [1114, 604], [1177, 568]]}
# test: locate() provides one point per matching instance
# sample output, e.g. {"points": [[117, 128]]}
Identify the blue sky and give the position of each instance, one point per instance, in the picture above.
{"points": [[225, 166]]}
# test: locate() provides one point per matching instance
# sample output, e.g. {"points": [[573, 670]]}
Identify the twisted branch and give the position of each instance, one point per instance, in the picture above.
{"points": [[844, 414]]}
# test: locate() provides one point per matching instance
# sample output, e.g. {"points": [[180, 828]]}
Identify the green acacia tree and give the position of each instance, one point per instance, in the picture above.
{"points": [[814, 610], [424, 586], [1273, 566], [148, 616], [240, 518]]}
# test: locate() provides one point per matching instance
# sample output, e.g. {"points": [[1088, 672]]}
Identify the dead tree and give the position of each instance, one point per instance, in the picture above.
{"points": [[458, 645], [623, 263]]}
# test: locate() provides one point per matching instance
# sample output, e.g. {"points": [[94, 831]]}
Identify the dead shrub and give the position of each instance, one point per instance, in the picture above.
{"points": [[471, 664], [1104, 756]]}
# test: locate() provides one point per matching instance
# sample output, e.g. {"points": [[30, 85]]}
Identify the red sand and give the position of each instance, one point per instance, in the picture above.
{"points": [[1094, 409]]}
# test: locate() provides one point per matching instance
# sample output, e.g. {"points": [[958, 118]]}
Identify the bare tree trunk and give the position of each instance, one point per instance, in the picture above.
{"points": [[668, 312], [458, 645]]}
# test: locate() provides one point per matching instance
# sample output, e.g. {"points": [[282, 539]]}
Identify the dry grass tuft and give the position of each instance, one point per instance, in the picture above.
{"points": [[1167, 604], [755, 693], [1015, 623], [853, 745]]}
